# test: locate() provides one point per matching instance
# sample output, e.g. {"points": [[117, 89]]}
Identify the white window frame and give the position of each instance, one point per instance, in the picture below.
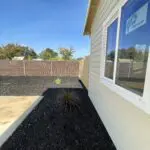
{"points": [[142, 102]]}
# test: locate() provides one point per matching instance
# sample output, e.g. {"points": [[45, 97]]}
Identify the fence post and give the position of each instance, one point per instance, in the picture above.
{"points": [[130, 67], [51, 68], [24, 68]]}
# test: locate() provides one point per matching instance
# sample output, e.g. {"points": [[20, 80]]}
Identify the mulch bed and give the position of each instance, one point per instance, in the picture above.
{"points": [[33, 86], [49, 127]]}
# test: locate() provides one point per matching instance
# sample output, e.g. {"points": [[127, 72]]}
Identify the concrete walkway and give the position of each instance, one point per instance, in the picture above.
{"points": [[12, 109]]}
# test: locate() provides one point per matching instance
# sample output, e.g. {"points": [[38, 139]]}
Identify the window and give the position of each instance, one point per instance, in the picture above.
{"points": [[127, 47], [110, 52], [133, 46]]}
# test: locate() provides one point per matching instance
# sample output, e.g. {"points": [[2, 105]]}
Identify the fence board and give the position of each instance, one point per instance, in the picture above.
{"points": [[38, 68]]}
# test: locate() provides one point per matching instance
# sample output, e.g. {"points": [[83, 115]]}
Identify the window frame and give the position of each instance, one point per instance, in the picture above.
{"points": [[141, 102], [107, 25]]}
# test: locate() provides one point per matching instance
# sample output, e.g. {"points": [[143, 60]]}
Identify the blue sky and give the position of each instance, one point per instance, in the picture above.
{"points": [[44, 23]]}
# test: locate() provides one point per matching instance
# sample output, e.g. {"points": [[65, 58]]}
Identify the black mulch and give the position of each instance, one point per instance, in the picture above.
{"points": [[32, 86], [49, 127]]}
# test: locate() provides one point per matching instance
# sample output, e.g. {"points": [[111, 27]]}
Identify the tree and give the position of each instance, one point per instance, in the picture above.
{"points": [[10, 50], [48, 54], [131, 53], [2, 54], [29, 53], [111, 55], [66, 53], [79, 58]]}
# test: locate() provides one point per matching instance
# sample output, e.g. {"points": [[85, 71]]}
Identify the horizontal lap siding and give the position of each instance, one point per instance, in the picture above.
{"points": [[105, 7], [127, 125]]}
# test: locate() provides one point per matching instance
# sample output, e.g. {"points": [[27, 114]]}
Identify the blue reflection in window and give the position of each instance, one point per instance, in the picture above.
{"points": [[110, 51], [134, 45]]}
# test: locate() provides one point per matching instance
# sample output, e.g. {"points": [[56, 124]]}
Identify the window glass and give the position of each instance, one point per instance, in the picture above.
{"points": [[110, 51], [134, 45]]}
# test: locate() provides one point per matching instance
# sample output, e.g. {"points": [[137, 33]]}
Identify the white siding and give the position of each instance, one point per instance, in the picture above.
{"points": [[128, 126]]}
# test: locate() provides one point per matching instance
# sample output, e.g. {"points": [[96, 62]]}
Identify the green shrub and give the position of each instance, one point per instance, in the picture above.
{"points": [[70, 101], [58, 81]]}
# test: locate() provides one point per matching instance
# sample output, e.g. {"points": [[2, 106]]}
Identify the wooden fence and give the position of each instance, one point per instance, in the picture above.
{"points": [[84, 71], [39, 68]]}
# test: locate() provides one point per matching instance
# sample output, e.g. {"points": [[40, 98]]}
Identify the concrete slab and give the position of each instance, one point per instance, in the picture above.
{"points": [[13, 110]]}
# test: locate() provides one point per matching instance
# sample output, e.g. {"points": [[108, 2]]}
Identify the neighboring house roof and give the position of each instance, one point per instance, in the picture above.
{"points": [[18, 58], [92, 8], [38, 59]]}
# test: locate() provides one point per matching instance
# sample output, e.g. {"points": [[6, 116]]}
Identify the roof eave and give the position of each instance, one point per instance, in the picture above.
{"points": [[92, 8]]}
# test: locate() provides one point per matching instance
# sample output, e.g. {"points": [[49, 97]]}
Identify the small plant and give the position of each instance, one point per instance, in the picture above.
{"points": [[58, 81], [70, 101]]}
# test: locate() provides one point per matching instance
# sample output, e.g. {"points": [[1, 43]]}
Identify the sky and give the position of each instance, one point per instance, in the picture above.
{"points": [[43, 24]]}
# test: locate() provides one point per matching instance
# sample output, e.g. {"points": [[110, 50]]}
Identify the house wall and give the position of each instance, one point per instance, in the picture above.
{"points": [[128, 126]]}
